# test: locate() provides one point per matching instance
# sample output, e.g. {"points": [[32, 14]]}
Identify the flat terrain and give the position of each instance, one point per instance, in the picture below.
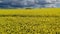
{"points": [[29, 25], [30, 21], [40, 11]]}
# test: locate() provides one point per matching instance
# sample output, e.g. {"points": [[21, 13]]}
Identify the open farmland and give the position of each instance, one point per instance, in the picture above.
{"points": [[30, 22], [29, 25]]}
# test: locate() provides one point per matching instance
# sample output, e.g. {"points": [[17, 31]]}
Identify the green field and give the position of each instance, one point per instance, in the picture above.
{"points": [[36, 21]]}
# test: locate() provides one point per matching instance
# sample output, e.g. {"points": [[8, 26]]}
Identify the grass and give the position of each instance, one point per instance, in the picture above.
{"points": [[30, 21]]}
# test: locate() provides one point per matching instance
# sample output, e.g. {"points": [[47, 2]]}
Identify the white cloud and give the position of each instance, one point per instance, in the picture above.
{"points": [[58, 1], [49, 1], [53, 3]]}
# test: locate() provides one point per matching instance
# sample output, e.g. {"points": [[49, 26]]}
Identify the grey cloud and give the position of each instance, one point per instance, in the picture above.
{"points": [[28, 3]]}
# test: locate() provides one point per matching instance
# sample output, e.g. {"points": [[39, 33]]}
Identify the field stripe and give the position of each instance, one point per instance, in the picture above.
{"points": [[42, 11]]}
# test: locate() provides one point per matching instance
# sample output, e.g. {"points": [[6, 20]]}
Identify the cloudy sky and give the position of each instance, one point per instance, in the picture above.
{"points": [[29, 3]]}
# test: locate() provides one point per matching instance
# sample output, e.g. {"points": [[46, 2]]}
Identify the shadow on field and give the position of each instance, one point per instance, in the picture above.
{"points": [[29, 16]]}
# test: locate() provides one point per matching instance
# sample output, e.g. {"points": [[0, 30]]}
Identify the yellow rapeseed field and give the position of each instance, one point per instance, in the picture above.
{"points": [[30, 21], [38, 11]]}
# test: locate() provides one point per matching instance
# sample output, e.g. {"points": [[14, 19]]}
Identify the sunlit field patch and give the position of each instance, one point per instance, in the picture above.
{"points": [[34, 11]]}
